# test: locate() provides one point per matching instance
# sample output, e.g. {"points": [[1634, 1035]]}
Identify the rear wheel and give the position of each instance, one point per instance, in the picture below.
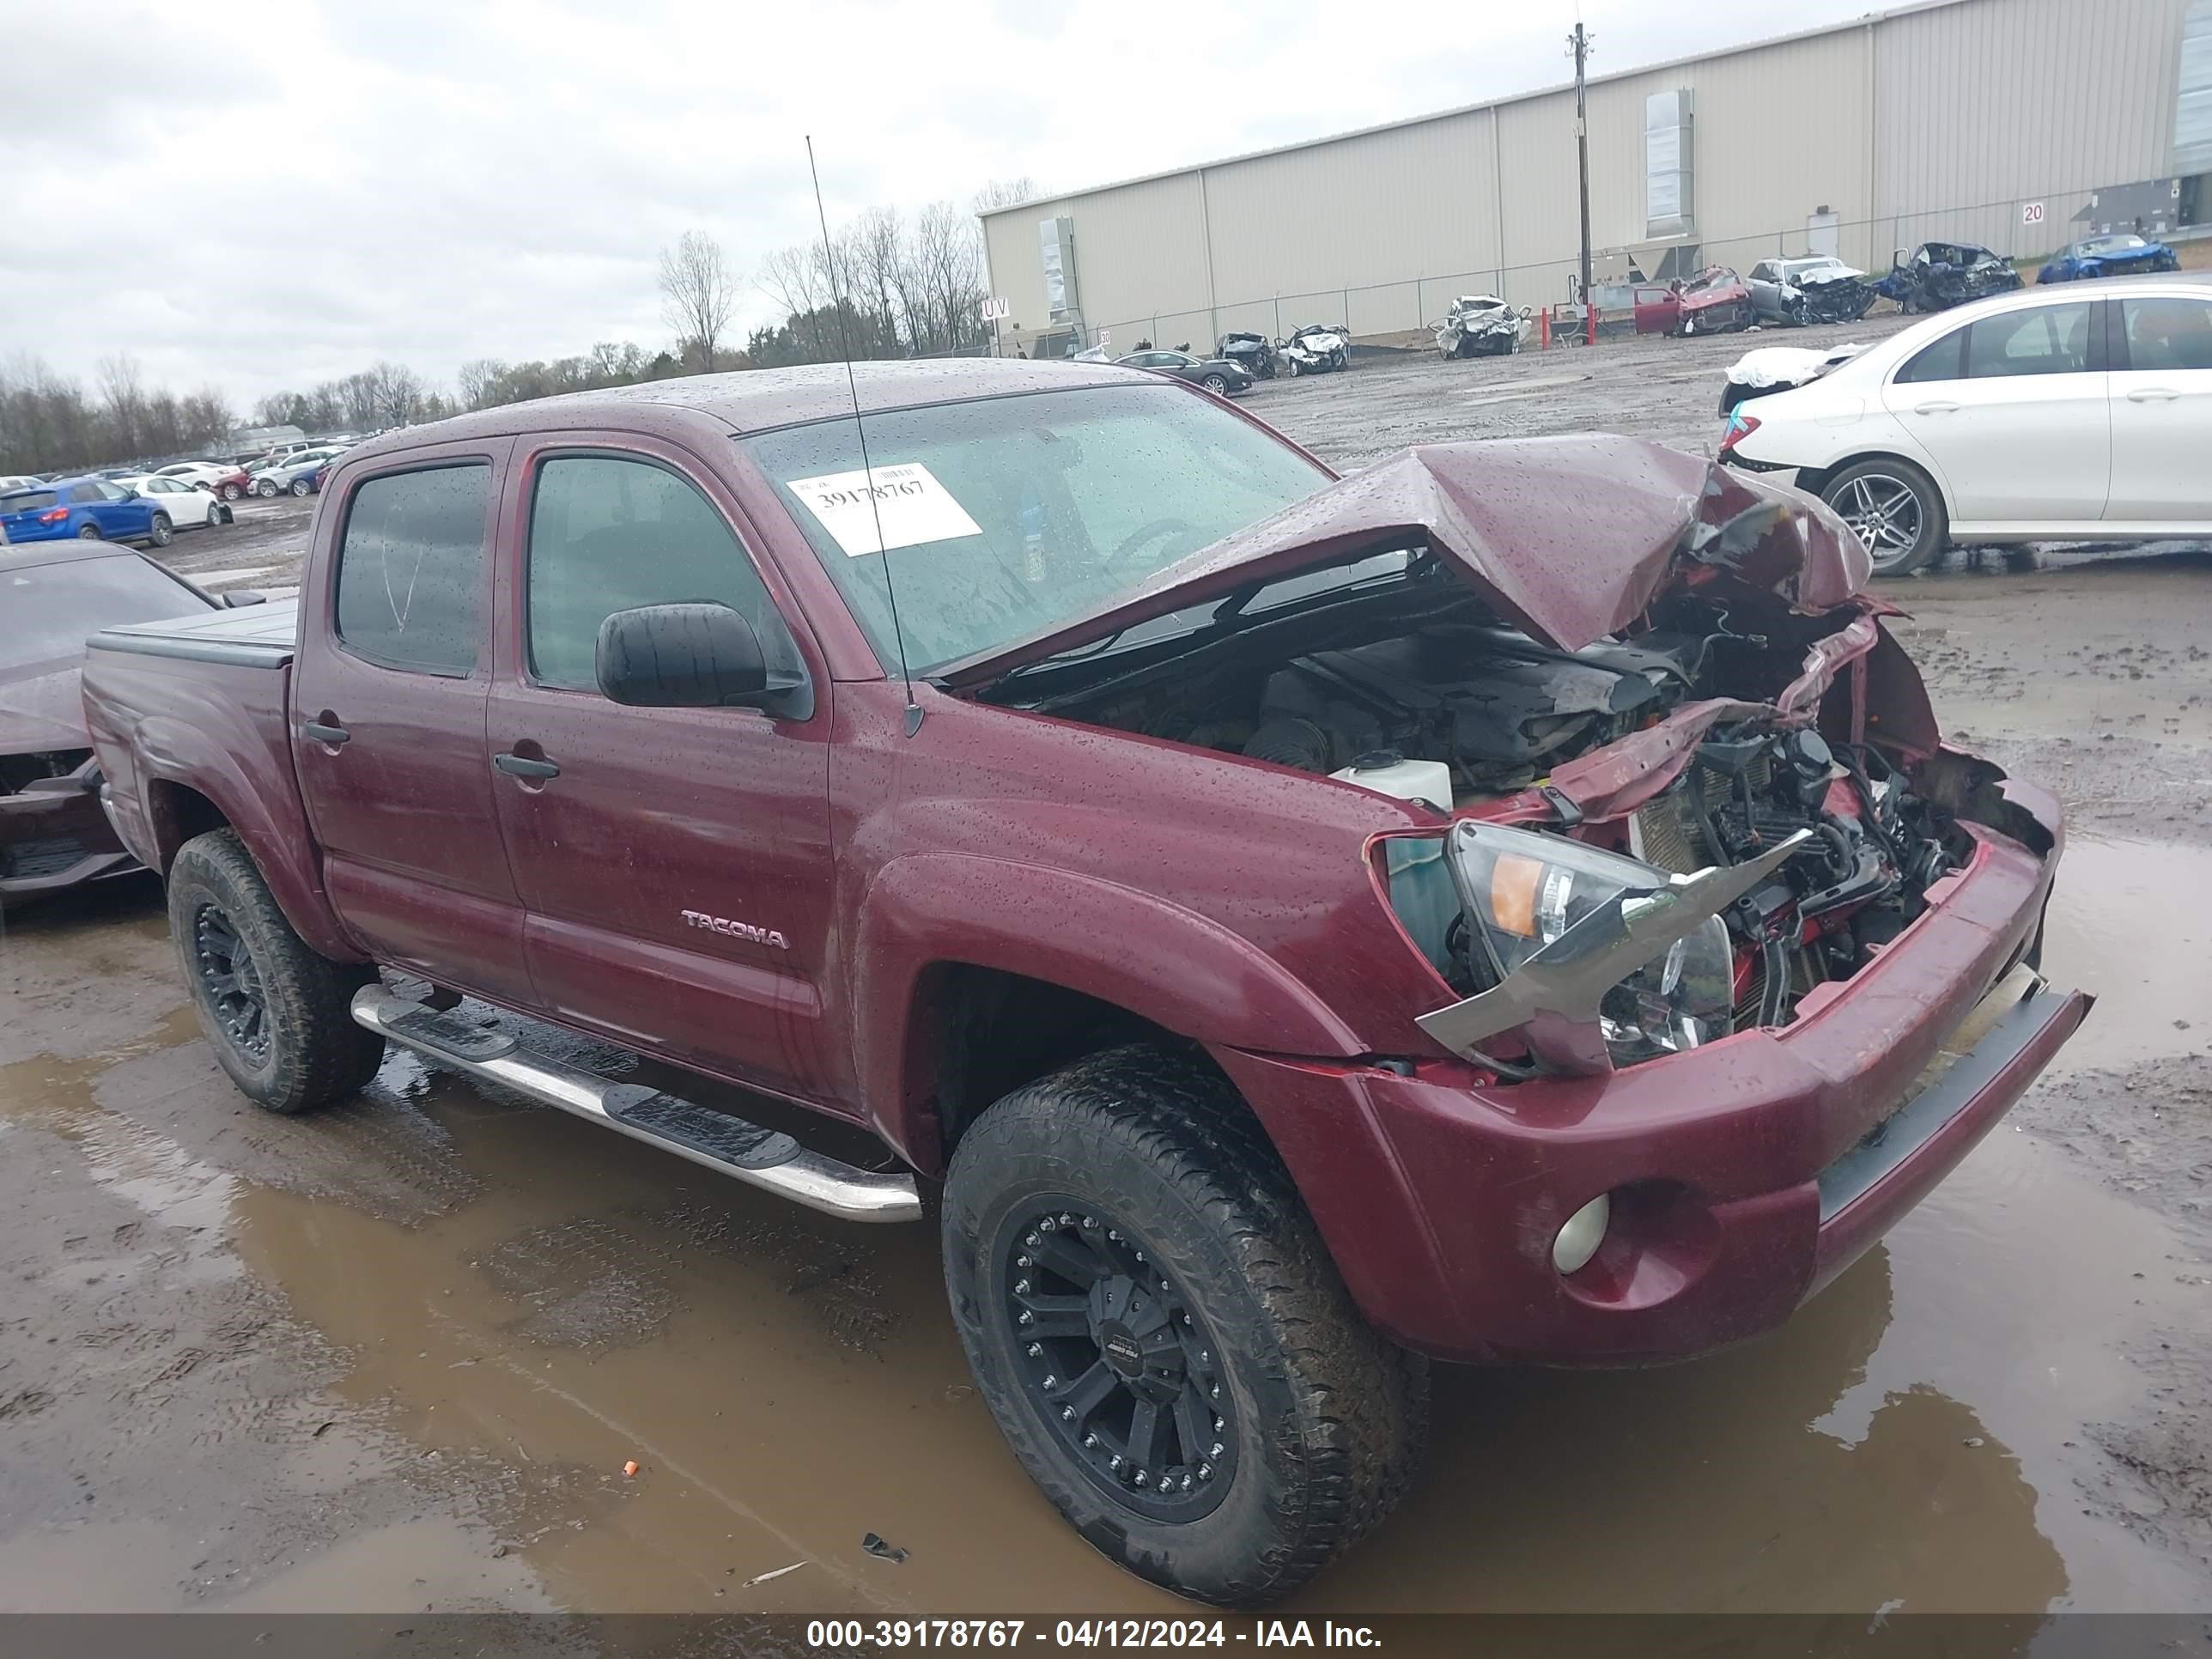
{"points": [[298, 486], [1155, 1325], [277, 1014], [88, 532], [1895, 509]]}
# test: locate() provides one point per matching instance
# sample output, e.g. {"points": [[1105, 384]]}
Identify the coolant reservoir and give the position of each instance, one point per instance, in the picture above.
{"points": [[1408, 779]]}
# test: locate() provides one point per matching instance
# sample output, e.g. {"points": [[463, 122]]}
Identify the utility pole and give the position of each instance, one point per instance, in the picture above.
{"points": [[1578, 43]]}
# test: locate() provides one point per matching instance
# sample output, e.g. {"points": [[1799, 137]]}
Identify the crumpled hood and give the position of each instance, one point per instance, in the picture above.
{"points": [[41, 708], [1569, 538]]}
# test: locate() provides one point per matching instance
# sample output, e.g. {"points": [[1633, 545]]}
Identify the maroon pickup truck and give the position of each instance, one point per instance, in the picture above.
{"points": [[1512, 904]]}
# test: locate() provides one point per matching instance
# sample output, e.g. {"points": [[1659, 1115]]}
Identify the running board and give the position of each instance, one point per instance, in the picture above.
{"points": [[762, 1157]]}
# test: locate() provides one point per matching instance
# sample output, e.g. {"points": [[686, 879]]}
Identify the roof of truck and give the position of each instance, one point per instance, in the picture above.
{"points": [[757, 399]]}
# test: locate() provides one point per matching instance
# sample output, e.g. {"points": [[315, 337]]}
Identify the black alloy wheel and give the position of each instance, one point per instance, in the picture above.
{"points": [[1115, 1360], [231, 981]]}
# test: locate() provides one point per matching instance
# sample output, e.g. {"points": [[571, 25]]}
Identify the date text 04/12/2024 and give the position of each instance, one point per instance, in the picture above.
{"points": [[858, 1633]]}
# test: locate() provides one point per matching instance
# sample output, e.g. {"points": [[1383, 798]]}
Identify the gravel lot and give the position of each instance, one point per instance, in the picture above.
{"points": [[396, 1355]]}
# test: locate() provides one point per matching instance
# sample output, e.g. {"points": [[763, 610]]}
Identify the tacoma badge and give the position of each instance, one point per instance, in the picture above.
{"points": [[736, 929]]}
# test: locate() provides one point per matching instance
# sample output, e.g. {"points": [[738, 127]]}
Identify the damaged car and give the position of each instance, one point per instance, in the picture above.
{"points": [[1821, 289], [1764, 369], [1254, 353], [1318, 349], [1482, 325], [1936, 276], [1511, 905], [2121, 254], [1714, 301], [52, 835]]}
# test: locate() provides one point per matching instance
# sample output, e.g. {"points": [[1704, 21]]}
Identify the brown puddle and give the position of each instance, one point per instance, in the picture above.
{"points": [[516, 1304]]}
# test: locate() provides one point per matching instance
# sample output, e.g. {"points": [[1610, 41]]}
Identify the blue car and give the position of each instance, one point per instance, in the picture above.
{"points": [[2121, 254], [91, 509]]}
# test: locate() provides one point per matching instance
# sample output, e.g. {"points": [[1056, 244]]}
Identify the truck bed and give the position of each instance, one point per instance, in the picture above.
{"points": [[258, 637]]}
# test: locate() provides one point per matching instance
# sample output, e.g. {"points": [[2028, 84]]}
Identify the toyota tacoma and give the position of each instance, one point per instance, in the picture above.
{"points": [[1513, 904]]}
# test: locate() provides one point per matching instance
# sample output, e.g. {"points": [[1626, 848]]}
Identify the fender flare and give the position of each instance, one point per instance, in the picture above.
{"points": [[171, 749], [1184, 972]]}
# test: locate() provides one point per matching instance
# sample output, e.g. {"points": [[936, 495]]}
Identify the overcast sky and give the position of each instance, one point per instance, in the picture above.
{"points": [[259, 196]]}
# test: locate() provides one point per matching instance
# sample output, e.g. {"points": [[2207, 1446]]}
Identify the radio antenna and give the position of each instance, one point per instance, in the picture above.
{"points": [[860, 426]]}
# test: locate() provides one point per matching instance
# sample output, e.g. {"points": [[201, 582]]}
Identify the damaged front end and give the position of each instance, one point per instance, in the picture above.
{"points": [[1682, 778], [1830, 297]]}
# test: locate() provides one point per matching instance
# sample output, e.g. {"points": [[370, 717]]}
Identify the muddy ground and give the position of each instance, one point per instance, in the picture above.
{"points": [[395, 1356]]}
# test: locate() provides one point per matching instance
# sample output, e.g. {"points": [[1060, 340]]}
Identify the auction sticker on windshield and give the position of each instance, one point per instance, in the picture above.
{"points": [[910, 504]]}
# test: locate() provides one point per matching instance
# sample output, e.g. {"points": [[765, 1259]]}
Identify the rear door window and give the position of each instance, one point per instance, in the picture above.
{"points": [[410, 572], [2169, 332], [2040, 340], [84, 493], [1944, 360]]}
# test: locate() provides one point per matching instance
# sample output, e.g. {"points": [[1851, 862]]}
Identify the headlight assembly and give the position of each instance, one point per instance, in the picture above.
{"points": [[1592, 937]]}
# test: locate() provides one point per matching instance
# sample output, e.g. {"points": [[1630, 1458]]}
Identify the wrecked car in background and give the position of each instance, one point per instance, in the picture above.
{"points": [[1482, 325], [1819, 288], [1254, 353], [52, 835], [2121, 254], [1714, 301], [1937, 275], [1776, 369], [1318, 349]]}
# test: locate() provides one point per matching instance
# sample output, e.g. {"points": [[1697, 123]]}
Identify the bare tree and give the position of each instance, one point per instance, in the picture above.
{"points": [[873, 243], [1005, 193], [697, 294], [123, 391], [478, 381], [798, 280], [396, 393]]}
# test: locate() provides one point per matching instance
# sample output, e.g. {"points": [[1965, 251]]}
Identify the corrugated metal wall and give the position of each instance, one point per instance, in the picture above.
{"points": [[1934, 121]]}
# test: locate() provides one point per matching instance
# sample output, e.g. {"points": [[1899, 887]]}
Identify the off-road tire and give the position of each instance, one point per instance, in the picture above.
{"points": [[1329, 1417], [315, 1053]]}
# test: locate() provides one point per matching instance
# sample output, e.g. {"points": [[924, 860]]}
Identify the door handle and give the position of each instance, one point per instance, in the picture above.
{"points": [[2152, 394], [323, 733], [521, 766], [1937, 408]]}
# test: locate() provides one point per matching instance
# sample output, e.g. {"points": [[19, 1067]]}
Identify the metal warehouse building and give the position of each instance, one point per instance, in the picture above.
{"points": [[2017, 124]]}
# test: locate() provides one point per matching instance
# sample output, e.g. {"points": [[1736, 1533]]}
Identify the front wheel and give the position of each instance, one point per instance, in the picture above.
{"points": [[1217, 384], [161, 532], [215, 514], [231, 492], [277, 1014], [1894, 508], [1156, 1327], [266, 488]]}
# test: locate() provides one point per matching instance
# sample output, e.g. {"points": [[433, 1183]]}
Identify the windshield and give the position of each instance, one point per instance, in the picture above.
{"points": [[1009, 516], [1791, 272], [51, 608], [2113, 244]]}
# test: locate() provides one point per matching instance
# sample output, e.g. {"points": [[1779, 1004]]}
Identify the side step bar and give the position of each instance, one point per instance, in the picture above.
{"points": [[762, 1157]]}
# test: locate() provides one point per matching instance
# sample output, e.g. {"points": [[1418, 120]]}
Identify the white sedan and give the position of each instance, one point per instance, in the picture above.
{"points": [[2043, 415], [188, 507], [196, 475]]}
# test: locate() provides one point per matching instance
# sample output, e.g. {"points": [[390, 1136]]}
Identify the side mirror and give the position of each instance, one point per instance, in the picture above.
{"points": [[1898, 258], [680, 656], [243, 596]]}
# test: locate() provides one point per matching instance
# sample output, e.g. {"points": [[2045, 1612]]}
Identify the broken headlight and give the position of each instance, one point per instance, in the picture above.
{"points": [[1545, 901]]}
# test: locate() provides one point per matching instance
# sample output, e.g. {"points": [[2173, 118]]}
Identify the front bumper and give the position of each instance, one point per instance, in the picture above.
{"points": [[54, 835], [1744, 1175]]}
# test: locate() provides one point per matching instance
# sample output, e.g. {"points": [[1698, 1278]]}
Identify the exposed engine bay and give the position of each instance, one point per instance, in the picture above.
{"points": [[1495, 712]]}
